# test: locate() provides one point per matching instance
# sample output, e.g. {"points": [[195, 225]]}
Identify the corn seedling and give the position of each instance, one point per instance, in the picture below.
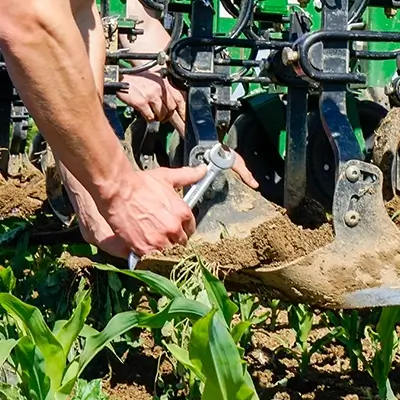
{"points": [[248, 307], [301, 320], [212, 355], [352, 332], [43, 358], [89, 390], [385, 342]]}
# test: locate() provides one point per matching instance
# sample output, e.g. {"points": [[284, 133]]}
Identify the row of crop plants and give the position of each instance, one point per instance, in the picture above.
{"points": [[50, 330]]}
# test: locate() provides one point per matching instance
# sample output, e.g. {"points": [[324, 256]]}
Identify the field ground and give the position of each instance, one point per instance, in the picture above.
{"points": [[275, 372]]}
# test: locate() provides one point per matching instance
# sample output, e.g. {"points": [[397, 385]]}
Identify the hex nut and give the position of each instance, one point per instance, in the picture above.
{"points": [[289, 56]]}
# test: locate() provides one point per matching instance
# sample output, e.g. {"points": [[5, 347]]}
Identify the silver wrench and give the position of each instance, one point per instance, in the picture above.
{"points": [[220, 158]]}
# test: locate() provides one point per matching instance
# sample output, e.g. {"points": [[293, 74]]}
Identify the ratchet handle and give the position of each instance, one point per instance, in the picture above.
{"points": [[197, 190]]}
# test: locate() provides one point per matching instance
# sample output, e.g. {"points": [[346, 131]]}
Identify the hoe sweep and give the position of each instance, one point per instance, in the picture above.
{"points": [[308, 93]]}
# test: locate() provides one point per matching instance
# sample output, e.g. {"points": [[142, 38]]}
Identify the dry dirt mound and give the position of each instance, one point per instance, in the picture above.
{"points": [[270, 244], [22, 197]]}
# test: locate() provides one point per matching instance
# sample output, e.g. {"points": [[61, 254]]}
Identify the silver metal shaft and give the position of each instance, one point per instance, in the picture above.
{"points": [[198, 189]]}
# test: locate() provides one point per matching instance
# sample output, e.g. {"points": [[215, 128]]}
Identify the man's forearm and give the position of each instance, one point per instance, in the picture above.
{"points": [[47, 60]]}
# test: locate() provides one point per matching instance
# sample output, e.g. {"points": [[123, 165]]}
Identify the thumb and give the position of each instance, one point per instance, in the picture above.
{"points": [[184, 176]]}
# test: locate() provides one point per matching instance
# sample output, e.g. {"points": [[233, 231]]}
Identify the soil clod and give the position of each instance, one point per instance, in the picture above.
{"points": [[270, 244], [22, 197]]}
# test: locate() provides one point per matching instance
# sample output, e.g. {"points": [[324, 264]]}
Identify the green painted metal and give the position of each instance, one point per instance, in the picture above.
{"points": [[117, 7], [264, 101]]}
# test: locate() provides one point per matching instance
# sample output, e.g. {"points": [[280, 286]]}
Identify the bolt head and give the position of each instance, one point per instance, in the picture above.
{"points": [[389, 89], [289, 56], [352, 174], [352, 218]]}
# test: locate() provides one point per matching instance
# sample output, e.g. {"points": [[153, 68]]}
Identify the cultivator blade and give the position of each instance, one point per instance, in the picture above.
{"points": [[234, 210], [359, 269]]}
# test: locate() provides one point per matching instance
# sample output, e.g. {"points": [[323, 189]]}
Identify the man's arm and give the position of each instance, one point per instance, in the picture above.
{"points": [[150, 94], [48, 63]]}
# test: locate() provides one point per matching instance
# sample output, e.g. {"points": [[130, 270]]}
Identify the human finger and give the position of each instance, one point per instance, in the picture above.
{"points": [[241, 169], [178, 123], [183, 176], [159, 108], [180, 104]]}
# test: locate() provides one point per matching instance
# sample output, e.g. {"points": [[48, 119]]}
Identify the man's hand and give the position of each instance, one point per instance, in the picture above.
{"points": [[160, 217], [147, 215], [155, 98]]}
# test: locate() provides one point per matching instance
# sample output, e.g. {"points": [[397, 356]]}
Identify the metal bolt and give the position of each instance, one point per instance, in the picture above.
{"points": [[389, 89], [353, 174], [164, 72], [352, 218], [390, 12], [289, 56], [162, 58]]}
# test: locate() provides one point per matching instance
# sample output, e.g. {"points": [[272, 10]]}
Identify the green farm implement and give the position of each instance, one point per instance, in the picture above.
{"points": [[307, 92]]}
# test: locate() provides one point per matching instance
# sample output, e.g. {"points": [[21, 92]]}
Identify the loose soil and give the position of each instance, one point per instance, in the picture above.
{"points": [[22, 197], [270, 244]]}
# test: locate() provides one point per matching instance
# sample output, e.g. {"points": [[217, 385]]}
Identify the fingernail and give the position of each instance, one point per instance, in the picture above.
{"points": [[254, 183]]}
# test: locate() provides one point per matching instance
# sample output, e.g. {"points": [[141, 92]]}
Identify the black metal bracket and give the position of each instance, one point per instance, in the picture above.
{"points": [[332, 102], [200, 126], [5, 119], [295, 177]]}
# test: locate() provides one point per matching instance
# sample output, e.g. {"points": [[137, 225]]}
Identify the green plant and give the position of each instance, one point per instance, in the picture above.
{"points": [[385, 342], [352, 332], [89, 390], [249, 317], [45, 360], [275, 305], [213, 359], [301, 320]]}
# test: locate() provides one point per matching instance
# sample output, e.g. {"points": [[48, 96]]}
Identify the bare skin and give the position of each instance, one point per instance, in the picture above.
{"points": [[48, 63], [154, 97], [118, 209]]}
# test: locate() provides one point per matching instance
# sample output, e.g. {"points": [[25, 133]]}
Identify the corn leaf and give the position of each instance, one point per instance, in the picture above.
{"points": [[68, 333], [90, 331], [31, 318], [89, 390], [384, 354], [7, 279], [158, 283], [182, 355], [121, 323], [213, 352], [218, 295], [239, 330], [35, 381], [387, 336], [70, 377], [6, 347]]}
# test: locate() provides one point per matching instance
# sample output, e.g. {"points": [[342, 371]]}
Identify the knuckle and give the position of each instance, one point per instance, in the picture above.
{"points": [[153, 97], [175, 228], [186, 213]]}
